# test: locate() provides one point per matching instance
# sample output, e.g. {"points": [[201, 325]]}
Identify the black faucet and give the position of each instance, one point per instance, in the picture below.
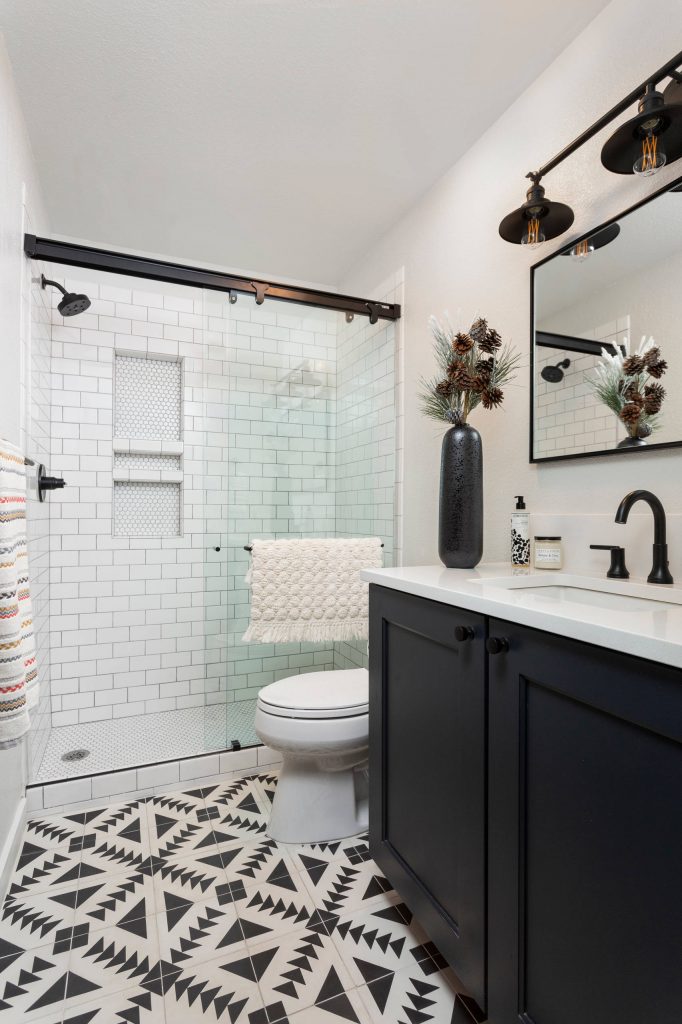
{"points": [[659, 569]]}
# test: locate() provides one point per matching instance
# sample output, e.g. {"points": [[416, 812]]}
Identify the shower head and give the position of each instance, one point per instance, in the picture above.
{"points": [[555, 374], [72, 303]]}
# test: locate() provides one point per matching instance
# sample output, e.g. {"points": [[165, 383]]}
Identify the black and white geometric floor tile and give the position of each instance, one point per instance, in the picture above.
{"points": [[179, 909]]}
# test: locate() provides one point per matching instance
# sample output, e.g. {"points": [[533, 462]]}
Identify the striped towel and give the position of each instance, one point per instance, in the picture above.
{"points": [[18, 673], [310, 590]]}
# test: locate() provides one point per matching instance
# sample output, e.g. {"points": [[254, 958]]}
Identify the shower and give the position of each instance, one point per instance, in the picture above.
{"points": [[72, 304], [555, 374]]}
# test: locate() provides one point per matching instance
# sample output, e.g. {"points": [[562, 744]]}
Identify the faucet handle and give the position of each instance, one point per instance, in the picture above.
{"points": [[617, 569]]}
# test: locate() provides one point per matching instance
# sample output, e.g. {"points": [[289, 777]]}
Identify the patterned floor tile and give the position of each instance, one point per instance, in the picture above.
{"points": [[138, 1005], [50, 868], [191, 932], [274, 908], [33, 983], [190, 878], [340, 887], [51, 833], [179, 908], [409, 996], [224, 989], [30, 920], [352, 851], [119, 901], [380, 941], [114, 959], [299, 969], [342, 1006]]}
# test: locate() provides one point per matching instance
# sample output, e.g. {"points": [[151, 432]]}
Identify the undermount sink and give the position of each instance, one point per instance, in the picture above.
{"points": [[621, 596]]}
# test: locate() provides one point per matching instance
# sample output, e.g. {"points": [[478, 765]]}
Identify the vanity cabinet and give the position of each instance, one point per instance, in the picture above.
{"points": [[428, 768], [585, 840], [527, 804]]}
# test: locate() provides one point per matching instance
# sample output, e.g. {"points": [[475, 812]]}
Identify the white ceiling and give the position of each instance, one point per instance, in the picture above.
{"points": [[277, 137]]}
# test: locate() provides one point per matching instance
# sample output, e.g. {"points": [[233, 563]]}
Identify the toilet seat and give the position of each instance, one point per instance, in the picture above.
{"points": [[341, 693]]}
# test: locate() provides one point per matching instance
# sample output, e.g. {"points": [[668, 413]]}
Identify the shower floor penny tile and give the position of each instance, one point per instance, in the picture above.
{"points": [[145, 739], [179, 909]]}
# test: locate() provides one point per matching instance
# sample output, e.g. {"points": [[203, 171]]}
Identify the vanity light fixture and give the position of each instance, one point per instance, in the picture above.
{"points": [[642, 145], [586, 246], [538, 220], [647, 142]]}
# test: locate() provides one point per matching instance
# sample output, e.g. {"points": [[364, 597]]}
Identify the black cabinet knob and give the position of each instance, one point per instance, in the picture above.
{"points": [[464, 633], [497, 645]]}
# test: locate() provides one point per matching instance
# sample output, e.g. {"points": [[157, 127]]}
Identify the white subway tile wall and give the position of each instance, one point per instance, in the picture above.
{"points": [[569, 418], [148, 624]]}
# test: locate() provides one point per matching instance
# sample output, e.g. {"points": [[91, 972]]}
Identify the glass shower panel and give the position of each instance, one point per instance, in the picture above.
{"points": [[310, 453]]}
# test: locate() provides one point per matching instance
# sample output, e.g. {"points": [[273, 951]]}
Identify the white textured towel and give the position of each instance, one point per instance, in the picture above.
{"points": [[310, 590], [18, 676]]}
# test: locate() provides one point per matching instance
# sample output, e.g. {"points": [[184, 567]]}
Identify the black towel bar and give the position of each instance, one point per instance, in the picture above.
{"points": [[248, 547]]}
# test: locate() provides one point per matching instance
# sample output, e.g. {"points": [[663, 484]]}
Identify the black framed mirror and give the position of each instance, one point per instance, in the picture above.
{"points": [[606, 337]]}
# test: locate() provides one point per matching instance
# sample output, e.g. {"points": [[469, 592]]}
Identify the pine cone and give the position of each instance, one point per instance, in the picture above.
{"points": [[633, 394], [630, 413], [633, 365], [478, 330], [460, 377], [653, 398], [485, 367], [643, 430], [462, 343], [652, 356], [491, 342], [444, 388], [658, 369], [492, 397]]}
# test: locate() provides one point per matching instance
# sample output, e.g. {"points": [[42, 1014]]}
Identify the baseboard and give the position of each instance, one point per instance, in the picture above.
{"points": [[10, 849]]}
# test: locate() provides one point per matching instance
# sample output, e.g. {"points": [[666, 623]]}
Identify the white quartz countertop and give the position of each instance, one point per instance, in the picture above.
{"points": [[632, 616]]}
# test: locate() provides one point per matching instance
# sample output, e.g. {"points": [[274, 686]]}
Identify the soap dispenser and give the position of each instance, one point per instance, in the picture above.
{"points": [[520, 533]]}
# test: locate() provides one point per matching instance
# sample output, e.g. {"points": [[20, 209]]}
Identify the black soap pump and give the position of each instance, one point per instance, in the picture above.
{"points": [[520, 533]]}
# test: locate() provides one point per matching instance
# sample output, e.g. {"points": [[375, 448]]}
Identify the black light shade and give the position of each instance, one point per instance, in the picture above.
{"points": [[658, 119], [596, 241], [553, 218]]}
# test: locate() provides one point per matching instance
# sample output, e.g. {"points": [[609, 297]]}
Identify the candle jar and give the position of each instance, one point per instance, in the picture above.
{"points": [[548, 553]]}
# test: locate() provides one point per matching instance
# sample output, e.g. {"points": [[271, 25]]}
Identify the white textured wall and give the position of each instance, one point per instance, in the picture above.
{"points": [[18, 187], [453, 257]]}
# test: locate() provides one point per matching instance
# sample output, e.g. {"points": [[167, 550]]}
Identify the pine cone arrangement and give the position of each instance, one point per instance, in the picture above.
{"points": [[474, 366], [626, 384]]}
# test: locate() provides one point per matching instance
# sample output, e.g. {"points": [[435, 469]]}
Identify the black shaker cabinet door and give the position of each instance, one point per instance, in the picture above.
{"points": [[427, 769], [585, 834]]}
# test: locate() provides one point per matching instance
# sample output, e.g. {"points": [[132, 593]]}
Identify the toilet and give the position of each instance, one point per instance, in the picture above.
{"points": [[319, 722]]}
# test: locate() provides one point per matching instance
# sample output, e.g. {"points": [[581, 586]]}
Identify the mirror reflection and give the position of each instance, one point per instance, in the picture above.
{"points": [[607, 361]]}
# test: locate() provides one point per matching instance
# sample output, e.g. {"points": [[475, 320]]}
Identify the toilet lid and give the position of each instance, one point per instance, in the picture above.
{"points": [[337, 694]]}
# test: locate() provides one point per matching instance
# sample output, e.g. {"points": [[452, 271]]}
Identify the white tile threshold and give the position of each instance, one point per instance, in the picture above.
{"points": [[139, 740]]}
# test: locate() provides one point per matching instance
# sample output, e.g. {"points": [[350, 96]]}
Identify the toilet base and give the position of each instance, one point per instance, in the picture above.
{"points": [[313, 806]]}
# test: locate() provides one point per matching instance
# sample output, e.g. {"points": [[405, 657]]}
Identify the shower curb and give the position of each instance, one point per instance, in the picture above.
{"points": [[146, 780]]}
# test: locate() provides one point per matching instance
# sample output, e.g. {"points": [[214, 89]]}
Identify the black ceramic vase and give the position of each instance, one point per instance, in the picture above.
{"points": [[460, 525]]}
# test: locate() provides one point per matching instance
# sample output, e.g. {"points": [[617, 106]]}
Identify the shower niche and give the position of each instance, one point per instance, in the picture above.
{"points": [[147, 446]]}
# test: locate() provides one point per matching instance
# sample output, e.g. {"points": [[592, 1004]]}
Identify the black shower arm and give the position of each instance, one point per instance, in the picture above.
{"points": [[55, 284]]}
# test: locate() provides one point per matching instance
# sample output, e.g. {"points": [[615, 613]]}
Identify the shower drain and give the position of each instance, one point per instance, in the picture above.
{"points": [[75, 755]]}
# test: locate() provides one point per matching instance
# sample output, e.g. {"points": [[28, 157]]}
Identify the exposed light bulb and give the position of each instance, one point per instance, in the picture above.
{"points": [[582, 251], [652, 158], [533, 236]]}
